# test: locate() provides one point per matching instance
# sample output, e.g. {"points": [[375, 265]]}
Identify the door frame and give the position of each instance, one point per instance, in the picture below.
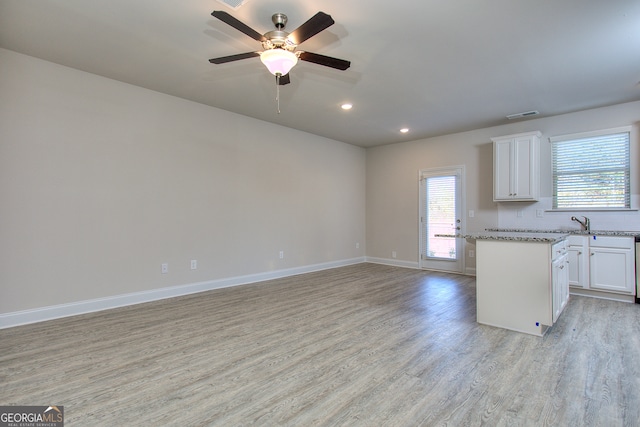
{"points": [[458, 265]]}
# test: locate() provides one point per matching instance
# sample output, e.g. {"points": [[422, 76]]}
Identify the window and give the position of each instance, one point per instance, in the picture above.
{"points": [[591, 170]]}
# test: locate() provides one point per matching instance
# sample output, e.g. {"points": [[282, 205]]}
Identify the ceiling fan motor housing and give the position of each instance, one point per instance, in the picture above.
{"points": [[278, 38]]}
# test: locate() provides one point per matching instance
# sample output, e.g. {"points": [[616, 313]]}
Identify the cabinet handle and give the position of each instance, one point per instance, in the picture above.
{"points": [[561, 267], [592, 254]]}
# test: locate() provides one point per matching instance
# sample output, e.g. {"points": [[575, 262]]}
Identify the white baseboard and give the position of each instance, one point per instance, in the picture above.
{"points": [[602, 295], [410, 264], [393, 262], [24, 317]]}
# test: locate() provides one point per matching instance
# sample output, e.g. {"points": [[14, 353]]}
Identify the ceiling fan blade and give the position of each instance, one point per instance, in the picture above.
{"points": [[284, 80], [225, 59], [240, 26], [313, 26], [327, 61]]}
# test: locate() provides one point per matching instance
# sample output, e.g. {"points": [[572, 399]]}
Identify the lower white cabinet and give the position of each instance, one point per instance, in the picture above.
{"points": [[578, 253], [602, 263], [560, 283], [611, 264]]}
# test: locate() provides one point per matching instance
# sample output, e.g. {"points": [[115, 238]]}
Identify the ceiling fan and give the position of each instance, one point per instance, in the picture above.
{"points": [[280, 54]]}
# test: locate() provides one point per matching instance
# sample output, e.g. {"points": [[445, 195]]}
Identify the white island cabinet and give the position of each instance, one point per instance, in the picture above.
{"points": [[522, 283]]}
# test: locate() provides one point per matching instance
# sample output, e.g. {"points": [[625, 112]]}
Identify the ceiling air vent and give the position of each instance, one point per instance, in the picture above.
{"points": [[522, 115], [234, 4]]}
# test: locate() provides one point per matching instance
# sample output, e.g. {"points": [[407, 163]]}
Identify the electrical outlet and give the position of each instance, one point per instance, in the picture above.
{"points": [[165, 268], [393, 254], [472, 253], [520, 213], [194, 264], [471, 214], [539, 213], [357, 245], [281, 254]]}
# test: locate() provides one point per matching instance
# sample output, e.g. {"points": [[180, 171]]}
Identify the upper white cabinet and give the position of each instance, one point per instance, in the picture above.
{"points": [[516, 167]]}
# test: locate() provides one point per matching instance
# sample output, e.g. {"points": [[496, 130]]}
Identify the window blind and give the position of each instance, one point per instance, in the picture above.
{"points": [[591, 170], [440, 210]]}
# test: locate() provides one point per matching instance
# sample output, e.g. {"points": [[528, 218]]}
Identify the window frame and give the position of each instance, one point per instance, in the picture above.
{"points": [[593, 134]]}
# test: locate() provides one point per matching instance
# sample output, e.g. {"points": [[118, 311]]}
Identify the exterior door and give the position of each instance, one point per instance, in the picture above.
{"points": [[441, 214]]}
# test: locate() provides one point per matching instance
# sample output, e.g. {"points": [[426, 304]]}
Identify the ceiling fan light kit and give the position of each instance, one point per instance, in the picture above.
{"points": [[279, 61]]}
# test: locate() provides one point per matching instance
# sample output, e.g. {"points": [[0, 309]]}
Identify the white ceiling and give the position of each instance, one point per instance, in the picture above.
{"points": [[434, 66]]}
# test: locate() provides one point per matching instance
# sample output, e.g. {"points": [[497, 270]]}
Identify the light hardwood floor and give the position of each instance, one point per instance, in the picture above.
{"points": [[364, 345]]}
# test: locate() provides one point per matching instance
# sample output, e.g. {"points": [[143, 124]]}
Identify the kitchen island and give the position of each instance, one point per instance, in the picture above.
{"points": [[521, 279]]}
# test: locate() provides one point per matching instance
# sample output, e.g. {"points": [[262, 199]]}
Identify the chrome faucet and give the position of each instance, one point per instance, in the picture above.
{"points": [[586, 223]]}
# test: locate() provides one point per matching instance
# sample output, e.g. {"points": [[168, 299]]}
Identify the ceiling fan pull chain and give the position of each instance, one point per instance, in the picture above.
{"points": [[278, 91]]}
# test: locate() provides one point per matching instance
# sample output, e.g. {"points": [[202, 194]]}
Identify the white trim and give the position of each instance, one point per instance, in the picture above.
{"points": [[8, 320], [393, 262]]}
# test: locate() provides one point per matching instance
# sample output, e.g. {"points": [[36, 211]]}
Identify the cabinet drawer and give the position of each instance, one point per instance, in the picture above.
{"points": [[577, 240], [611, 242], [558, 249]]}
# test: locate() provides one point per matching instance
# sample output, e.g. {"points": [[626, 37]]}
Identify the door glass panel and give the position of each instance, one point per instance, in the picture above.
{"points": [[441, 217]]}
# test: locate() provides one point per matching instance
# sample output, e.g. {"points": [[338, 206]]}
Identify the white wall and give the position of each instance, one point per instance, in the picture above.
{"points": [[392, 182], [101, 182]]}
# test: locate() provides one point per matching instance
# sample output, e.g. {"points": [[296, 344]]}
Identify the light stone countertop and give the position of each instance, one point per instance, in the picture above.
{"points": [[540, 236], [535, 237], [570, 231]]}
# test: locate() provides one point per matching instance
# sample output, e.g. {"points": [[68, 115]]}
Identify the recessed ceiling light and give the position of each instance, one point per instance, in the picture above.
{"points": [[346, 106], [404, 130]]}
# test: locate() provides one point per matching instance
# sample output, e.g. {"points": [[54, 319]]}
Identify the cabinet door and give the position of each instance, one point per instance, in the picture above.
{"points": [[524, 176], [564, 281], [577, 269], [611, 269], [502, 158], [560, 285]]}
